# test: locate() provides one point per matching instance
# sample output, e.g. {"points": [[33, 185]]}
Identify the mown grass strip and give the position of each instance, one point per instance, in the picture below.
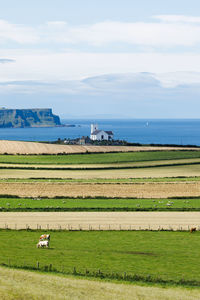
{"points": [[99, 158], [103, 180]]}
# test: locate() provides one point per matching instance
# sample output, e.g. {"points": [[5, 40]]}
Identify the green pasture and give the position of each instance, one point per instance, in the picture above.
{"points": [[103, 166], [103, 180], [22, 204], [100, 158], [171, 256]]}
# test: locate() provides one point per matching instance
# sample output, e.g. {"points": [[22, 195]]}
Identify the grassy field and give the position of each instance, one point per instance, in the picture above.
{"points": [[100, 158], [148, 256], [104, 166], [104, 180], [150, 172], [16, 204], [170, 256], [23, 285]]}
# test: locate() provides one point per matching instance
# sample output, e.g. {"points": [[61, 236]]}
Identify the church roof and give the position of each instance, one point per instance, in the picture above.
{"points": [[97, 131]]}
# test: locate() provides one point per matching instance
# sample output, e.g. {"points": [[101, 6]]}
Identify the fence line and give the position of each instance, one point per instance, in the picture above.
{"points": [[102, 227], [127, 275]]}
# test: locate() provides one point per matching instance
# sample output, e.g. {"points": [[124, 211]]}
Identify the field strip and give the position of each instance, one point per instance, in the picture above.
{"points": [[27, 285], [100, 220], [19, 147], [167, 171], [141, 164], [133, 190]]}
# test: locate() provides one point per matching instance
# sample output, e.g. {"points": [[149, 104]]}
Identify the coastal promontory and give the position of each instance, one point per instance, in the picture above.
{"points": [[21, 118]]}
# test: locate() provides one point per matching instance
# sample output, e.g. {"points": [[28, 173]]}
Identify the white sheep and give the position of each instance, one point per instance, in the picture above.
{"points": [[43, 244]]}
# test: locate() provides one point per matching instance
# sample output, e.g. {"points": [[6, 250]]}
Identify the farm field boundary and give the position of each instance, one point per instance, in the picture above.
{"points": [[25, 284], [19, 147], [96, 159], [99, 274], [128, 165], [104, 180], [166, 171], [97, 209], [100, 220]]}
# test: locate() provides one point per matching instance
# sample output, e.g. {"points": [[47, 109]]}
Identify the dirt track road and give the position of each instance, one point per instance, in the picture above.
{"points": [[100, 220]]}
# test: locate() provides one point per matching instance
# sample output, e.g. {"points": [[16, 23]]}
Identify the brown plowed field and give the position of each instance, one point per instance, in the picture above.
{"points": [[106, 220], [17, 147], [139, 190]]}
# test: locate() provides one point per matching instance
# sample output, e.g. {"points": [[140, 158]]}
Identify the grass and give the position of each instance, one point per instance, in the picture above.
{"points": [[170, 256], [67, 204], [103, 180], [20, 284], [98, 158], [164, 171], [105, 166]]}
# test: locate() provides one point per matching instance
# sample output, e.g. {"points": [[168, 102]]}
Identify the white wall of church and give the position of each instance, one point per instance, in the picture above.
{"points": [[100, 136]]}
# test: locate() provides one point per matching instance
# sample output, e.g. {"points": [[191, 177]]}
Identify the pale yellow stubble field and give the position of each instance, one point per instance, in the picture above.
{"points": [[19, 147], [134, 190], [100, 220]]}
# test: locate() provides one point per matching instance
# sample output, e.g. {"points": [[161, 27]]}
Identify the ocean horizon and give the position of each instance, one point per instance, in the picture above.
{"points": [[144, 131]]}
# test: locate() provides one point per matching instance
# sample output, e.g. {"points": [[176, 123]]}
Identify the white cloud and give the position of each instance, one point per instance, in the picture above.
{"points": [[75, 66], [140, 84], [174, 79], [122, 82], [174, 31], [47, 87], [17, 33], [139, 33]]}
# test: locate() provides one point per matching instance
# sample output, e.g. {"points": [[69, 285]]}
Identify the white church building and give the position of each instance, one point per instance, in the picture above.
{"points": [[100, 135]]}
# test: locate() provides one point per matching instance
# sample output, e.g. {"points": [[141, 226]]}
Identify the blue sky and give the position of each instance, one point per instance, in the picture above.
{"points": [[134, 59], [92, 11]]}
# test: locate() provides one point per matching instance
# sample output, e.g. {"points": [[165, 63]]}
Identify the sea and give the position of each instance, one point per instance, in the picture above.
{"points": [[144, 131]]}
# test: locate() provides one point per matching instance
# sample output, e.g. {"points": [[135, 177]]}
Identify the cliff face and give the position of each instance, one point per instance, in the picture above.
{"points": [[28, 118]]}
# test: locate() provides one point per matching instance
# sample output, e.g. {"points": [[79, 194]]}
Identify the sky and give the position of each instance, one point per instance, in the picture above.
{"points": [[101, 59]]}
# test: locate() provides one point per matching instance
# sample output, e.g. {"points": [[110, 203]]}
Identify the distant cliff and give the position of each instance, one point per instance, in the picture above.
{"points": [[28, 118]]}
